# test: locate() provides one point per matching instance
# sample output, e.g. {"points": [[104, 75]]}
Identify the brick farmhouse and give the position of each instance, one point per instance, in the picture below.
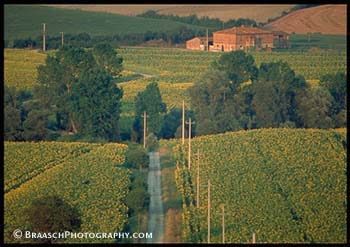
{"points": [[240, 38]]}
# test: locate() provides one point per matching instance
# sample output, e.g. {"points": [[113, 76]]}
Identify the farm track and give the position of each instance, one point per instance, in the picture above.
{"points": [[156, 215]]}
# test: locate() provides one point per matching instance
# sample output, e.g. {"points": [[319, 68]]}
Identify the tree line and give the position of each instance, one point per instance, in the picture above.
{"points": [[205, 21], [74, 94], [235, 94], [84, 40]]}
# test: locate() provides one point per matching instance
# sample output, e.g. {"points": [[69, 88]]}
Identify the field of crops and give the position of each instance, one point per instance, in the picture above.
{"points": [[20, 67], [174, 65], [91, 179], [27, 160], [284, 185], [174, 69]]}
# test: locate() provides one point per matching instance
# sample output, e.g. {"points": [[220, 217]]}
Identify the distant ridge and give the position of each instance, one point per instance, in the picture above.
{"points": [[259, 13], [325, 19]]}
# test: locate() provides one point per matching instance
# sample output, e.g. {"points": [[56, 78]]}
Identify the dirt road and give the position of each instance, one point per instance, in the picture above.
{"points": [[156, 215]]}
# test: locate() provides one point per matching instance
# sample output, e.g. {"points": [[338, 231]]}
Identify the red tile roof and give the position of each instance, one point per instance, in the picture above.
{"points": [[243, 30]]}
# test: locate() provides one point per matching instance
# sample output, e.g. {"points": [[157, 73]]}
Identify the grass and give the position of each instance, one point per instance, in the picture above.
{"points": [[172, 202], [322, 41], [23, 21]]}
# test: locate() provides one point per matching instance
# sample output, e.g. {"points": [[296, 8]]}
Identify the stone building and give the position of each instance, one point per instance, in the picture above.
{"points": [[199, 43], [242, 38]]}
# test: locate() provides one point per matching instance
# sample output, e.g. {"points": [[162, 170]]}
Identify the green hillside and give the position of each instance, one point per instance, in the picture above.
{"points": [[23, 21], [284, 185]]}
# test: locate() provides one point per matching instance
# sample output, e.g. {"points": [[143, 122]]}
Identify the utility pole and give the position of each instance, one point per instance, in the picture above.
{"points": [[197, 204], [223, 222], [183, 122], [62, 38], [189, 122], [253, 238], [144, 128], [44, 36], [207, 41], [208, 211]]}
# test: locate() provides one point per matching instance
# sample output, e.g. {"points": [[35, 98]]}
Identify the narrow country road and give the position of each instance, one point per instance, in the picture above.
{"points": [[156, 216]]}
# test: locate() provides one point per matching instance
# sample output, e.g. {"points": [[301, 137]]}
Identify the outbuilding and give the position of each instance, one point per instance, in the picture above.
{"points": [[199, 43]]}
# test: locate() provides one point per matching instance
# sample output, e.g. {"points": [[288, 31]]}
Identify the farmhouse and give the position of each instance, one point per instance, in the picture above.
{"points": [[240, 38], [199, 43]]}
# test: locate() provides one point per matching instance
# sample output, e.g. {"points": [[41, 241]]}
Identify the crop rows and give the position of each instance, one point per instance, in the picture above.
{"points": [[284, 185], [25, 160], [94, 182], [20, 67], [187, 66]]}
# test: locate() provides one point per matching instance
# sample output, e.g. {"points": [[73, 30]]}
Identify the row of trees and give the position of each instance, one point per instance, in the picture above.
{"points": [[205, 21], [172, 37], [75, 94], [235, 94]]}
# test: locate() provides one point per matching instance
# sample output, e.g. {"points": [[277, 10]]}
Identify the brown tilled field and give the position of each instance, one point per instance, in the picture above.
{"points": [[326, 19], [259, 13]]}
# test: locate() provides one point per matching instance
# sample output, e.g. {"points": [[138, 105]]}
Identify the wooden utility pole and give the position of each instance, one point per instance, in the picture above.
{"points": [[208, 211], [197, 204], [189, 122], [62, 38], [44, 36], [253, 238], [144, 128], [183, 122], [223, 223], [207, 41]]}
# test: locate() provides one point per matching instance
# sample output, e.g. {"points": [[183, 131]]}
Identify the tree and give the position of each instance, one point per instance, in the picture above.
{"points": [[149, 101], [336, 85], [56, 79], [12, 123], [107, 59], [80, 93], [314, 108], [275, 93], [52, 214], [172, 121], [152, 143], [96, 103], [136, 157], [221, 98], [15, 112], [35, 125]]}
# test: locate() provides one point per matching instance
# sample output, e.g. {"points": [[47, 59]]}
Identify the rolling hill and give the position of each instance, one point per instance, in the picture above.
{"points": [[325, 19], [260, 13], [23, 21]]}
